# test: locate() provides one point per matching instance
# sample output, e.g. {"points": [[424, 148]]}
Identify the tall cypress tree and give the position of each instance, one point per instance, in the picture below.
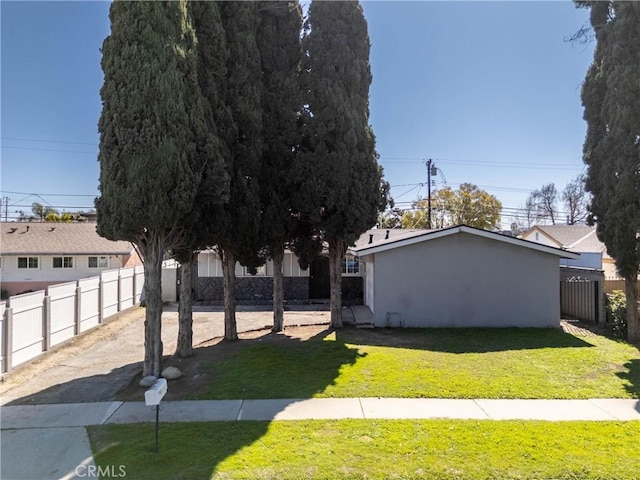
{"points": [[201, 228], [340, 178], [611, 100], [149, 165], [279, 29], [240, 218]]}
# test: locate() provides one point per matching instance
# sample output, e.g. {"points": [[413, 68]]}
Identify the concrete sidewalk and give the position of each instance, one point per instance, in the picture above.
{"points": [[100, 413], [55, 435]]}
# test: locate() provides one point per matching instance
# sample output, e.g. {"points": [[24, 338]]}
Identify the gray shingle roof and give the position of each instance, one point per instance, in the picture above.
{"points": [[400, 238], [378, 235], [57, 238], [566, 235], [577, 238]]}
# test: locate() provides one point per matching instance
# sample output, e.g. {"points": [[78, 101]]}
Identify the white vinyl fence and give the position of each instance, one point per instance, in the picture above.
{"points": [[32, 323]]}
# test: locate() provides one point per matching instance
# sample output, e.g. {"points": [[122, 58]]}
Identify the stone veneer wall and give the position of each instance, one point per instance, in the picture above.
{"points": [[259, 290], [253, 290]]}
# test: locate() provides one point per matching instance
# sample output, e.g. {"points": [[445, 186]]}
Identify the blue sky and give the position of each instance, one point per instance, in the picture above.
{"points": [[489, 90]]}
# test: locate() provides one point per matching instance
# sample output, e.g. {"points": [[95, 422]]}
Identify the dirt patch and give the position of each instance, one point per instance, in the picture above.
{"points": [[106, 361], [196, 379]]}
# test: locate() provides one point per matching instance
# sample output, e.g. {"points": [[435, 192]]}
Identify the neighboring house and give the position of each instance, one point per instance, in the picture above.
{"points": [[460, 277], [580, 239], [36, 255]]}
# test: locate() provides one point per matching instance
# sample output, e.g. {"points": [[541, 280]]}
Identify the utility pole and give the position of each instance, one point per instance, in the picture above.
{"points": [[431, 170], [6, 208]]}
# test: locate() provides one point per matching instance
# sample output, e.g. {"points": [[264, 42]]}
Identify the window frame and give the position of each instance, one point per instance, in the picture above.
{"points": [[98, 263], [66, 262], [31, 263], [351, 266]]}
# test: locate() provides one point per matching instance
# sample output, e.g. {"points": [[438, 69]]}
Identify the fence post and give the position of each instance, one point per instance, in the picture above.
{"points": [[8, 339], [46, 323], [78, 310], [119, 287], [100, 299], [596, 296]]}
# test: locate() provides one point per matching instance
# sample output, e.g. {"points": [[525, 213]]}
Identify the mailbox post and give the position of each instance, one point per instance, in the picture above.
{"points": [[152, 397]]}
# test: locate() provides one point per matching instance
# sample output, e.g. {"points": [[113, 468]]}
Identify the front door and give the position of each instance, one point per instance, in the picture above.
{"points": [[319, 284]]}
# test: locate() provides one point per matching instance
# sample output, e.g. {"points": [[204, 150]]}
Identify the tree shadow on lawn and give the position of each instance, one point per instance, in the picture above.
{"points": [[275, 365], [264, 366], [632, 376], [296, 363], [463, 340]]}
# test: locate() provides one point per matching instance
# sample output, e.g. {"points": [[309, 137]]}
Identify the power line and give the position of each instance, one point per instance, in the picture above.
{"points": [[46, 141], [48, 194], [491, 163], [50, 150]]}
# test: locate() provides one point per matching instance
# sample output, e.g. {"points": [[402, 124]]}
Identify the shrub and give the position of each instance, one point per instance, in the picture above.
{"points": [[616, 307]]}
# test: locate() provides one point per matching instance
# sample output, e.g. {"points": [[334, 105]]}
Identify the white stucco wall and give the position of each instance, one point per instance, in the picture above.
{"points": [[466, 281], [46, 273], [209, 265]]}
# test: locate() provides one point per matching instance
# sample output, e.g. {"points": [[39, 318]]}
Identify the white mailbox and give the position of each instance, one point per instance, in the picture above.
{"points": [[156, 392]]}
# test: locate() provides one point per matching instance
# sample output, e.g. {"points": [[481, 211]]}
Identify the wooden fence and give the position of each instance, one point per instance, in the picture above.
{"points": [[615, 283], [32, 323]]}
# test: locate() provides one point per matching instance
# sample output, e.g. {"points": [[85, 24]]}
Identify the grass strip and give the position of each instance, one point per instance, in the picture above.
{"points": [[428, 363], [358, 449]]}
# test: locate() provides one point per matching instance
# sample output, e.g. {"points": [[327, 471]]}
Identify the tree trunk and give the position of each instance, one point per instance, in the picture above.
{"points": [[229, 279], [633, 320], [336, 256], [184, 348], [153, 254], [277, 256]]}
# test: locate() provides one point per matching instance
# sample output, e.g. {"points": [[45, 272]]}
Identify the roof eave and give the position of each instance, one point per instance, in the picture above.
{"points": [[465, 229]]}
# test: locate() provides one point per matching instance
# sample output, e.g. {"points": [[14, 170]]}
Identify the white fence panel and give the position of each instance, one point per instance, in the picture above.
{"points": [[89, 303], [139, 281], [63, 311], [126, 288], [28, 331], [169, 281], [3, 353], [109, 292]]}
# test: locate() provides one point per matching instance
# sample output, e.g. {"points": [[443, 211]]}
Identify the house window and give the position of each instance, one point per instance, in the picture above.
{"points": [[27, 262], [350, 266], [62, 262], [98, 262], [244, 271]]}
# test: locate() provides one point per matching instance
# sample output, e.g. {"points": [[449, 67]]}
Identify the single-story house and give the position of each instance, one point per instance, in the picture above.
{"points": [[459, 277], [300, 286], [36, 255], [580, 239]]}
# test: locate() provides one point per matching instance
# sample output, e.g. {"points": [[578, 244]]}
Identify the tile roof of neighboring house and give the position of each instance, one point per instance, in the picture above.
{"points": [[57, 238], [400, 238], [577, 238]]}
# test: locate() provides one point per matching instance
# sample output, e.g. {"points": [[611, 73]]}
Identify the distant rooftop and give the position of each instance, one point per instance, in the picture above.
{"points": [[57, 238]]}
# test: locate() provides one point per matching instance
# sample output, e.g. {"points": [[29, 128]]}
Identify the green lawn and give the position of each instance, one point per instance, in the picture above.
{"points": [[429, 363], [426, 449]]}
